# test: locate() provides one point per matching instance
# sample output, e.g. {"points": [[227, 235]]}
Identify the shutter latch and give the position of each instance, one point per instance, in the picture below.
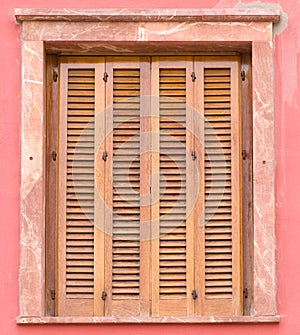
{"points": [[194, 157], [193, 76], [194, 294], [103, 295], [104, 156]]}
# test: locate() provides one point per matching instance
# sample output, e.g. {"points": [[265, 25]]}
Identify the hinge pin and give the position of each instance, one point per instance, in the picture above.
{"points": [[193, 76], [105, 76], [53, 294], [55, 75], [104, 156], [103, 295], [194, 294], [244, 154], [243, 75], [54, 155]]}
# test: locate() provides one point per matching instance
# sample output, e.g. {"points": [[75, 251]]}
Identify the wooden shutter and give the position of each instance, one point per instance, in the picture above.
{"points": [[143, 130], [81, 104], [127, 180], [218, 235], [171, 164]]}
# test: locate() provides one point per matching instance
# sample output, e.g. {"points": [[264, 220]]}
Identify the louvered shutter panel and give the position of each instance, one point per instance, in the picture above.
{"points": [[80, 102], [127, 179], [171, 230], [218, 238]]}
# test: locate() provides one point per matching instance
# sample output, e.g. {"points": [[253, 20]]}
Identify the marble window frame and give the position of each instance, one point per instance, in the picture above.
{"points": [[106, 29]]}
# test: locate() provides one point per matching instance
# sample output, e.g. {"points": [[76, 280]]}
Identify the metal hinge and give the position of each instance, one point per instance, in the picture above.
{"points": [[243, 75], [104, 156], [244, 154], [194, 294], [193, 76], [53, 294], [54, 155], [103, 295], [245, 292], [55, 75], [105, 76]]}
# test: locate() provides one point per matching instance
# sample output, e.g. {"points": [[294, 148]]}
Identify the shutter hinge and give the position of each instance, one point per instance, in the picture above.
{"points": [[55, 75], [194, 294], [105, 76], [244, 154], [194, 157], [53, 294], [243, 75], [103, 295], [104, 156], [54, 155], [245, 292], [193, 76]]}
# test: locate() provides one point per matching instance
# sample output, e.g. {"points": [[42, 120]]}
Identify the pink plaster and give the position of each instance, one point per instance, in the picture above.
{"points": [[287, 182]]}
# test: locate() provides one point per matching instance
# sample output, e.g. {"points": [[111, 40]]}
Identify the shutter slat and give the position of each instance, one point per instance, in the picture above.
{"points": [[217, 164], [77, 208], [126, 174], [172, 91]]}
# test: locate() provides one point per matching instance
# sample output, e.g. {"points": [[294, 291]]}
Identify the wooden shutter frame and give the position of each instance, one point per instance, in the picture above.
{"points": [[78, 307], [170, 307], [141, 306], [232, 306]]}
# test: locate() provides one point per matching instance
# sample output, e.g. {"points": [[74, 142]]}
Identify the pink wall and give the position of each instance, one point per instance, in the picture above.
{"points": [[287, 178]]}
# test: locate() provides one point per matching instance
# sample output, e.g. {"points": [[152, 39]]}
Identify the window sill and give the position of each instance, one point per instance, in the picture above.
{"points": [[96, 320]]}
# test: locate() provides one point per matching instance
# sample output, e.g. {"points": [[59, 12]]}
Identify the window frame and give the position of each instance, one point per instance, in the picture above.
{"points": [[55, 30]]}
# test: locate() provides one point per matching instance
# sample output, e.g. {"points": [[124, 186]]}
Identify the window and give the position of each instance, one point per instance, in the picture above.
{"points": [[77, 32], [149, 186]]}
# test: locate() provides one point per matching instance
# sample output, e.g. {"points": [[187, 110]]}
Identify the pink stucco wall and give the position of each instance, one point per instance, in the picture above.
{"points": [[287, 136]]}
